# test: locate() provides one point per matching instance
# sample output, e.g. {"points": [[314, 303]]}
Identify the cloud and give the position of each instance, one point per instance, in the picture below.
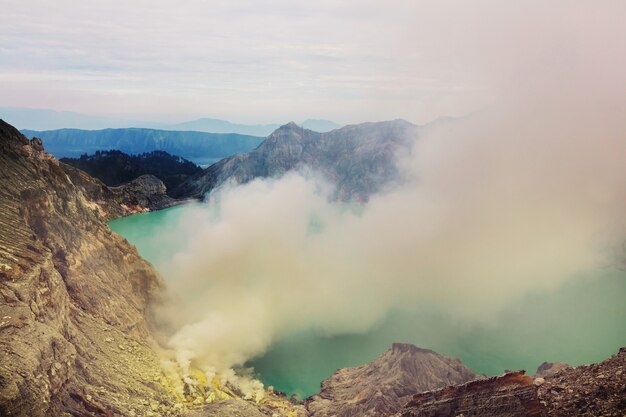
{"points": [[519, 198], [248, 61], [501, 207]]}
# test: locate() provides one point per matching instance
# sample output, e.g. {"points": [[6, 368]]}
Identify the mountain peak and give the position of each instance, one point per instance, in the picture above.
{"points": [[408, 347], [384, 385], [287, 128], [10, 133]]}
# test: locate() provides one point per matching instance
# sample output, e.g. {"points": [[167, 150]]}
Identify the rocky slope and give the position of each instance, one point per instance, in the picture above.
{"points": [[589, 390], [75, 339], [358, 159], [75, 331], [384, 385]]}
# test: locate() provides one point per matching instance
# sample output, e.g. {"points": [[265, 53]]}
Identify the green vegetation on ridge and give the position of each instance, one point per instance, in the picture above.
{"points": [[115, 167]]}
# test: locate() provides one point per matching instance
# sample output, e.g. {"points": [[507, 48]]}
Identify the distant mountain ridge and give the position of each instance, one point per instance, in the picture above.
{"points": [[45, 119], [358, 159], [200, 147]]}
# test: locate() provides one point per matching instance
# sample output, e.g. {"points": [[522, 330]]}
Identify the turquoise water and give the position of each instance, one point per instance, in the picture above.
{"points": [[582, 322], [154, 233]]}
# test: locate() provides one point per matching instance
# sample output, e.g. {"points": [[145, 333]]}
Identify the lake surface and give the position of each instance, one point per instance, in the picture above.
{"points": [[581, 322]]}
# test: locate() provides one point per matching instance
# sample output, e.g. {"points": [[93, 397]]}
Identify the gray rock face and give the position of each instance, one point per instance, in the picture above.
{"points": [[149, 191], [383, 386], [549, 368], [358, 159]]}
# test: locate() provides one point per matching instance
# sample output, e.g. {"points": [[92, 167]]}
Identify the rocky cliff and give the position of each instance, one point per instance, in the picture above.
{"points": [[76, 337], [384, 385], [358, 159], [74, 299]]}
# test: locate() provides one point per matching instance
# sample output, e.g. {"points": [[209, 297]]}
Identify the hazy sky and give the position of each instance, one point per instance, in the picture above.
{"points": [[277, 60], [248, 61]]}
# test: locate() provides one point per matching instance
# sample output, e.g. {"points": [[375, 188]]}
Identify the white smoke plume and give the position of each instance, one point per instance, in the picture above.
{"points": [[518, 198]]}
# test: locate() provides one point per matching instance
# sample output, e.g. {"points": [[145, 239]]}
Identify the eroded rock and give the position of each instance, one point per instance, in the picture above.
{"points": [[384, 385]]}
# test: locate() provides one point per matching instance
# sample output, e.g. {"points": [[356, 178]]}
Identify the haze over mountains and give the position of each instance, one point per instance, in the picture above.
{"points": [[83, 294], [44, 119], [357, 159], [308, 269]]}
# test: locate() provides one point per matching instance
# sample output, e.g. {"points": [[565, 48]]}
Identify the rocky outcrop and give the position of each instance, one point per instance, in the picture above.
{"points": [[384, 385], [359, 159], [588, 390], [549, 368], [145, 193], [510, 395], [148, 191]]}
